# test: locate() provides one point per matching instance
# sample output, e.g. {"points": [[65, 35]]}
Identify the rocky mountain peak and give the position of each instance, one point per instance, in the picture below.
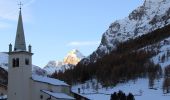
{"points": [[72, 58], [153, 14]]}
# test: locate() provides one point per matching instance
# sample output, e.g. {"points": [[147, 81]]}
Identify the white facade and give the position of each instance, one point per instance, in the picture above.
{"points": [[19, 76], [38, 87]]}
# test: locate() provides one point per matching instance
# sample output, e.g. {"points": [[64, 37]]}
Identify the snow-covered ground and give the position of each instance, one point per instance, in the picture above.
{"points": [[4, 60], [164, 51], [139, 88]]}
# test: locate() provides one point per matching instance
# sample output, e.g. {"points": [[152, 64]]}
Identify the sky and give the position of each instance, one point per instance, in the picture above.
{"points": [[55, 27]]}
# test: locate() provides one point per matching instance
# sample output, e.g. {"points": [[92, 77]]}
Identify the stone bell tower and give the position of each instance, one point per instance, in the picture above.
{"points": [[20, 66]]}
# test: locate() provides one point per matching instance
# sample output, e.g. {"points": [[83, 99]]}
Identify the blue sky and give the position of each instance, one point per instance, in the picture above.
{"points": [[54, 27]]}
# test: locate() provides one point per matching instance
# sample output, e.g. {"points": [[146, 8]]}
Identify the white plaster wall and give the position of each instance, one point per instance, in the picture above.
{"points": [[38, 86], [19, 78]]}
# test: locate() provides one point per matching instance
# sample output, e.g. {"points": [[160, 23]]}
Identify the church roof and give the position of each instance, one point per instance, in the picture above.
{"points": [[58, 95], [20, 44], [48, 80]]}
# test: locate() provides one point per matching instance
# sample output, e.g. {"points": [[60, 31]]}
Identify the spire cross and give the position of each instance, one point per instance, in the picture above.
{"points": [[20, 5]]}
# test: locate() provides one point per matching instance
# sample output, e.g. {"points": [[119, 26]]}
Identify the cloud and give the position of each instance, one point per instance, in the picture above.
{"points": [[83, 43]]}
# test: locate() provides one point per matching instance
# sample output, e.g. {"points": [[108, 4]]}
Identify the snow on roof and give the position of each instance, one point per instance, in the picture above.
{"points": [[48, 80], [86, 98], [58, 95]]}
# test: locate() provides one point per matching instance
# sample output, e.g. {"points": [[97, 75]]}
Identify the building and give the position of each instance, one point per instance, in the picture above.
{"points": [[22, 85]]}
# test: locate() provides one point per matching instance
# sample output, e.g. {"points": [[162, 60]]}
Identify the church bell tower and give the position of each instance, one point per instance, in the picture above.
{"points": [[20, 66]]}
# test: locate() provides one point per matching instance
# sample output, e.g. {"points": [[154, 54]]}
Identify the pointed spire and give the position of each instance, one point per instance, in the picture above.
{"points": [[20, 38]]}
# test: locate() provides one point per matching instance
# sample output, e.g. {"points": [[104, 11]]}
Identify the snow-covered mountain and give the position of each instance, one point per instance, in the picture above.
{"points": [[4, 64], [153, 14], [71, 59], [53, 66]]}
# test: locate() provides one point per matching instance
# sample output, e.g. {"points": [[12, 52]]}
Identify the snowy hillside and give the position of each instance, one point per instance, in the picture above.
{"points": [[163, 57], [4, 60], [138, 88], [3, 57], [153, 14], [4, 64], [71, 59]]}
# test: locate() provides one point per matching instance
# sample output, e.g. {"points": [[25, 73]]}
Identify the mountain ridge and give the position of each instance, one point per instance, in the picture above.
{"points": [[153, 14]]}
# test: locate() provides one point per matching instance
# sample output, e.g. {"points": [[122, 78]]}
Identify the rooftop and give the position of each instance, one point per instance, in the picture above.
{"points": [[48, 80], [58, 95]]}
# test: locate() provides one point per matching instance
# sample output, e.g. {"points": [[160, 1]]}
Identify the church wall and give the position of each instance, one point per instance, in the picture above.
{"points": [[18, 78], [36, 87]]}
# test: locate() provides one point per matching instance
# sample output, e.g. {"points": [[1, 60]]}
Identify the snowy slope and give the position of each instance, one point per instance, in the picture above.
{"points": [[153, 14], [4, 60], [71, 59], [3, 57], [4, 64], [164, 51], [139, 88]]}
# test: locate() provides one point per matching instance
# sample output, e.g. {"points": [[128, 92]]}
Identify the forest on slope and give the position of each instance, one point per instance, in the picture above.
{"points": [[129, 61]]}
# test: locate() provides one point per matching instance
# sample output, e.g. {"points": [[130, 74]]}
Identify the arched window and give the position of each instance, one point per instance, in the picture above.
{"points": [[13, 62], [41, 96], [17, 62], [26, 61]]}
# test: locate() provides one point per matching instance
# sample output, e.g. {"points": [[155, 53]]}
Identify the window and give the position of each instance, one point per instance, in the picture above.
{"points": [[17, 62], [26, 61], [41, 96], [13, 62]]}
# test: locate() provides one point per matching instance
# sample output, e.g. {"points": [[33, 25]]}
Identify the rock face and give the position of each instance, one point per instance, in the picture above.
{"points": [[153, 14], [72, 58]]}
